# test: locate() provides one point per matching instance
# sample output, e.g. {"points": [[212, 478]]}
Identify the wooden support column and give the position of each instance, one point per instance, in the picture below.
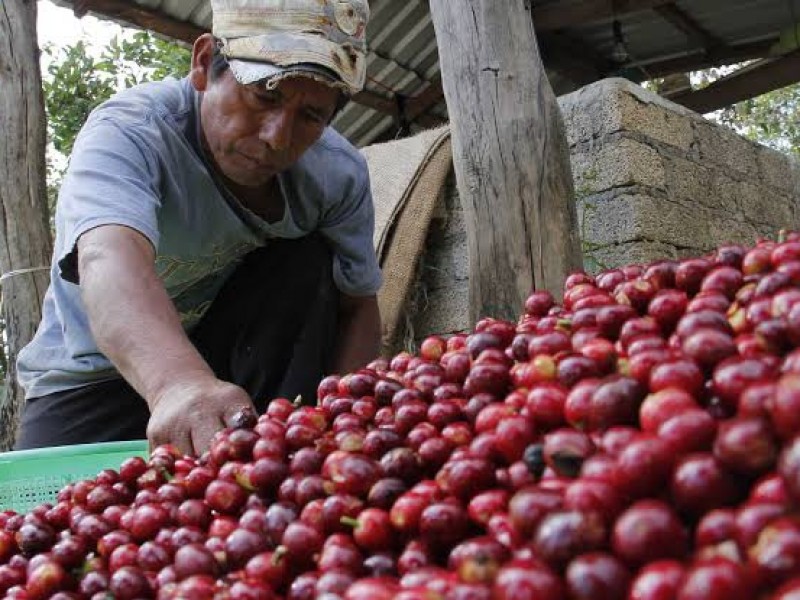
{"points": [[24, 224], [510, 154]]}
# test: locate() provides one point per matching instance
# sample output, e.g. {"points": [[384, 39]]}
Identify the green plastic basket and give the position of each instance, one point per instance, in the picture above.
{"points": [[29, 478]]}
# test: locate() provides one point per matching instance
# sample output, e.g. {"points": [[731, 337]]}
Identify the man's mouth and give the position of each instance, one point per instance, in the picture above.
{"points": [[255, 162]]}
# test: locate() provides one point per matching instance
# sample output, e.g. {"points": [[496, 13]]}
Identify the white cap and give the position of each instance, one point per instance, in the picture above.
{"points": [[274, 39]]}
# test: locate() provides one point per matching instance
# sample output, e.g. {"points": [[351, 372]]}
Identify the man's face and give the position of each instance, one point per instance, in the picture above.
{"points": [[253, 133]]}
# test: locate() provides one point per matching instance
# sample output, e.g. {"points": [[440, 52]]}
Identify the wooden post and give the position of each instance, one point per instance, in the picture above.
{"points": [[510, 154], [25, 239]]}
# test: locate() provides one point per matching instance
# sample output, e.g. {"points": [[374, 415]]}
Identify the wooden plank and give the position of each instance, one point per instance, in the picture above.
{"points": [[559, 15], [425, 100], [693, 30], [510, 154], [748, 82]]}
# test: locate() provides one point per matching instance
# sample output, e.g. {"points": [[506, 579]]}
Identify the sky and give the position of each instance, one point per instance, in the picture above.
{"points": [[60, 27]]}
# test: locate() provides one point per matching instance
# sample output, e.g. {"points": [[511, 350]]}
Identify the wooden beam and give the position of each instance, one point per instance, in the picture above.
{"points": [[388, 106], [693, 30], [25, 241], [748, 82], [510, 154], [375, 101], [700, 60], [558, 15], [138, 15], [425, 100]]}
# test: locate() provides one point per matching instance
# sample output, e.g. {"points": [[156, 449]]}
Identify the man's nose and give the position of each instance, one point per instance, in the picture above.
{"points": [[276, 129]]}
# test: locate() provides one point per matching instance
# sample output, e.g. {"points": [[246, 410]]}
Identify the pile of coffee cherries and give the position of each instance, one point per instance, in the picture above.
{"points": [[641, 441]]}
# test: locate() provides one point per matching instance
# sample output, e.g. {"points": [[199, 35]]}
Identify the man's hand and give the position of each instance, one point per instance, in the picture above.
{"points": [[188, 415]]}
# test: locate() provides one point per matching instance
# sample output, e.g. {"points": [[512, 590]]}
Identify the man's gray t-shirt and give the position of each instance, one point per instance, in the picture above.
{"points": [[138, 162]]}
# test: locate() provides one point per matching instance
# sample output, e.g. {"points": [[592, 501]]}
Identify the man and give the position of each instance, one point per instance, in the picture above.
{"points": [[213, 238]]}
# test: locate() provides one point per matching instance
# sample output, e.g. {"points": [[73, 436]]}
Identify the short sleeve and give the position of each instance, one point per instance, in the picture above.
{"points": [[112, 179], [349, 227]]}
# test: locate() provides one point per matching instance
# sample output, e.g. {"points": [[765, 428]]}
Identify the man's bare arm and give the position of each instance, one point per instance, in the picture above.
{"points": [[137, 327]]}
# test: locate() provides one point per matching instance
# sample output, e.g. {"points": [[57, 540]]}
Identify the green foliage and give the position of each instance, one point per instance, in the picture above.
{"points": [[71, 90], [772, 119], [79, 77]]}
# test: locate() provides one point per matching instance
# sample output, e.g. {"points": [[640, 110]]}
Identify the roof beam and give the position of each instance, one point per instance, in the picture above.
{"points": [[389, 106], [138, 15], [558, 15], [693, 30], [425, 100], [748, 82], [701, 60]]}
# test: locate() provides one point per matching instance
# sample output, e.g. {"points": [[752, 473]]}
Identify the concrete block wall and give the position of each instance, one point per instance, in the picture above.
{"points": [[653, 180]]}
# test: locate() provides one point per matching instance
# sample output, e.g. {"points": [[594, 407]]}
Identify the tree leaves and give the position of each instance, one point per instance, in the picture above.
{"points": [[772, 119], [78, 78]]}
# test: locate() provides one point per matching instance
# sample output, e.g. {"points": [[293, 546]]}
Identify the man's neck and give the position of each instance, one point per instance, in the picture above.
{"points": [[266, 200]]}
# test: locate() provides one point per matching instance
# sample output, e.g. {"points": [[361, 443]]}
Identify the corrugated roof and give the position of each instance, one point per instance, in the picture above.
{"points": [[403, 55]]}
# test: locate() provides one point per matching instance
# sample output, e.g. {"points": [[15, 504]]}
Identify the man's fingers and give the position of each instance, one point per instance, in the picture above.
{"points": [[182, 444], [178, 436], [204, 431], [182, 441], [155, 438], [185, 446]]}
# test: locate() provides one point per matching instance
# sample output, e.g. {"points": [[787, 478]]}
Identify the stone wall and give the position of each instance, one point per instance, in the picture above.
{"points": [[653, 180]]}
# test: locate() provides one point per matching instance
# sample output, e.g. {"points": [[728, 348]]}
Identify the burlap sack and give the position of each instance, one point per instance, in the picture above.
{"points": [[407, 178]]}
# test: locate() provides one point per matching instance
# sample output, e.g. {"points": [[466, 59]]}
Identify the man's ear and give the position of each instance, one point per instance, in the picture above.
{"points": [[202, 57]]}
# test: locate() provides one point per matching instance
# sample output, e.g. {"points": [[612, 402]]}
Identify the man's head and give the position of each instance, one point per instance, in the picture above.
{"points": [[266, 40], [273, 74]]}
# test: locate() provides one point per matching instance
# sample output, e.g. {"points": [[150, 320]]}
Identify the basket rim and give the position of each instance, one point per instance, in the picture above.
{"points": [[74, 450]]}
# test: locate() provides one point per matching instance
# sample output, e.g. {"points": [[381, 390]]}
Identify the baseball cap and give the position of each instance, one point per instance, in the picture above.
{"points": [[273, 39]]}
